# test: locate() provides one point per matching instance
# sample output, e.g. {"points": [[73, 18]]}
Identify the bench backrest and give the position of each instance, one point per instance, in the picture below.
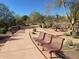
{"points": [[48, 38], [41, 35], [57, 43]]}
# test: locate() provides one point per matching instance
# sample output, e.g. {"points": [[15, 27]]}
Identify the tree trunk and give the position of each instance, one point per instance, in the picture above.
{"points": [[72, 23], [66, 12]]}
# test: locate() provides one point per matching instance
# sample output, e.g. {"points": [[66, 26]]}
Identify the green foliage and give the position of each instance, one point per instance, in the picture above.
{"points": [[5, 14], [6, 18], [2, 23], [25, 17], [3, 30], [20, 20], [73, 6], [36, 17], [13, 29]]}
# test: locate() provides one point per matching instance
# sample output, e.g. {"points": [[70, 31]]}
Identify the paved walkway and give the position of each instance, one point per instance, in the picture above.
{"points": [[20, 47]]}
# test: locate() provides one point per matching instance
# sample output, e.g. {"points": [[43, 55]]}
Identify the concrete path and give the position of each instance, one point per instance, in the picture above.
{"points": [[20, 47]]}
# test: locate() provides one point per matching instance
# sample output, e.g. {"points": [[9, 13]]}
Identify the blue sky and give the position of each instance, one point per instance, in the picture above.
{"points": [[26, 7]]}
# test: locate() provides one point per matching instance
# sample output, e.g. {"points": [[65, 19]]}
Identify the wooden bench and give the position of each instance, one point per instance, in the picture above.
{"points": [[55, 45], [40, 37], [50, 42], [47, 39]]}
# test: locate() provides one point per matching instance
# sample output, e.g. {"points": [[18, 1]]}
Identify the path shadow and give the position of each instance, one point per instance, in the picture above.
{"points": [[3, 39], [12, 39], [61, 54]]}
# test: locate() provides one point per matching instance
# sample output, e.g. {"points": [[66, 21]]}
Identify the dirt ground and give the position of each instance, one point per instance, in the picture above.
{"points": [[20, 46]]}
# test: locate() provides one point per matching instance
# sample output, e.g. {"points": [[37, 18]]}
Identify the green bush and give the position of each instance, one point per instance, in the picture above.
{"points": [[3, 30], [13, 29]]}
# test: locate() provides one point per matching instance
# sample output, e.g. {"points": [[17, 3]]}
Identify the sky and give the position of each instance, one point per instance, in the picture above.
{"points": [[26, 7]]}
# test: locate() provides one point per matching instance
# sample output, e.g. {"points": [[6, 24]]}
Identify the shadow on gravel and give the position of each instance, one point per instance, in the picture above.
{"points": [[68, 55], [3, 39], [62, 55], [12, 39]]}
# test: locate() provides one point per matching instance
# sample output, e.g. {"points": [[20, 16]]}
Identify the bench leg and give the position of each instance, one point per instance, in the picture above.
{"points": [[50, 55], [43, 49], [38, 44], [53, 57]]}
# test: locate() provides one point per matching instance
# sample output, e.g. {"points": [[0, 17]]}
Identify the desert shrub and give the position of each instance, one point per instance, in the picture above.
{"points": [[75, 35], [67, 34], [34, 29], [69, 43], [44, 26], [50, 25], [3, 30], [76, 47], [13, 29]]}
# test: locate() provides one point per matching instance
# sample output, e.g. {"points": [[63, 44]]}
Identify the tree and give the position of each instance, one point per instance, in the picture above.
{"points": [[19, 20], [25, 18], [5, 15], [12, 21], [2, 24], [73, 6], [36, 17]]}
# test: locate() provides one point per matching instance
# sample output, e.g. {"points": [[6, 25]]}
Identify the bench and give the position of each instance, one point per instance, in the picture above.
{"points": [[50, 42], [40, 37], [47, 39], [55, 45]]}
